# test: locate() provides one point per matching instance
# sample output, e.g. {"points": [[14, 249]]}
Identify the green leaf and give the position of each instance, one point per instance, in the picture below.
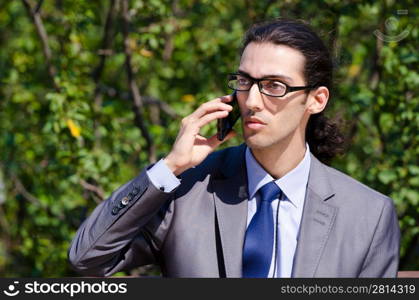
{"points": [[387, 176]]}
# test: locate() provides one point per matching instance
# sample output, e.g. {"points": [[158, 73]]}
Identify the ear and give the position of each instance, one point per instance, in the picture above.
{"points": [[317, 100]]}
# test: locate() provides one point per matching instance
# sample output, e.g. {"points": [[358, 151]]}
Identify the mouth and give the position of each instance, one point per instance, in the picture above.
{"points": [[254, 123]]}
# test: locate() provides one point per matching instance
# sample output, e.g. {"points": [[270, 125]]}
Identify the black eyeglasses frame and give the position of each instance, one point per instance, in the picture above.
{"points": [[288, 89]]}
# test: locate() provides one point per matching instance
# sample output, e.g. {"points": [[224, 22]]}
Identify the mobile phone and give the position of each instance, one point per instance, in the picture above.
{"points": [[225, 125]]}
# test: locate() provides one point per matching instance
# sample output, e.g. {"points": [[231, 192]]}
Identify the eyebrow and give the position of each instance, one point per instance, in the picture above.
{"points": [[281, 76]]}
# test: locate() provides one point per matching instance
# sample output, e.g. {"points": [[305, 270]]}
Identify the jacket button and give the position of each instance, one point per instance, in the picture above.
{"points": [[162, 188], [125, 200], [115, 210]]}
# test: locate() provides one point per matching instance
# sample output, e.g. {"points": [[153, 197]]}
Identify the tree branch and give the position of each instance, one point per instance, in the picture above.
{"points": [[35, 15], [38, 6], [147, 100], [169, 44], [375, 78], [20, 188], [4, 224], [161, 105], [97, 73], [93, 188], [137, 103], [106, 40]]}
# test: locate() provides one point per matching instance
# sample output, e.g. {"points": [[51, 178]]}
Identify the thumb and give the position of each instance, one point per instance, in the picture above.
{"points": [[214, 142], [230, 135]]}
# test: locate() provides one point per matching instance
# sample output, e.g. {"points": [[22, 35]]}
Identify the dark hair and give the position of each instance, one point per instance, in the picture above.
{"points": [[322, 134]]}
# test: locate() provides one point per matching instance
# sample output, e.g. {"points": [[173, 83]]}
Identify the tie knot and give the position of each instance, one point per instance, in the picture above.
{"points": [[270, 192]]}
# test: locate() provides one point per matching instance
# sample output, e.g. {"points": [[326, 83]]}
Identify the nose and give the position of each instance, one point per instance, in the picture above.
{"points": [[254, 99]]}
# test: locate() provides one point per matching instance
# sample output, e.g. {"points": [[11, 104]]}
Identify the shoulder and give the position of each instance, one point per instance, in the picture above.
{"points": [[351, 192]]}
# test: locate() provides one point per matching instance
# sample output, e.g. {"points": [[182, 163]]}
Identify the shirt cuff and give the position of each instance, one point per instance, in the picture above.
{"points": [[162, 177]]}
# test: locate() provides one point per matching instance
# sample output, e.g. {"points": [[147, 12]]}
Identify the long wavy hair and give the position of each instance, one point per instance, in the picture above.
{"points": [[322, 134]]}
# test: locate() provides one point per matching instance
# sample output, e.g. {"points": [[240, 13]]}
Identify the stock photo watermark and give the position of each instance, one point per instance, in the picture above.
{"points": [[70, 289], [392, 25]]}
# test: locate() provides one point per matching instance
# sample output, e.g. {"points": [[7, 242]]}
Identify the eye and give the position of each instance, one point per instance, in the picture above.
{"points": [[273, 85], [243, 81]]}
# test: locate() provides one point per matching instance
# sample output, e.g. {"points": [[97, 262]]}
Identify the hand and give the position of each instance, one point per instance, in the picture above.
{"points": [[191, 148]]}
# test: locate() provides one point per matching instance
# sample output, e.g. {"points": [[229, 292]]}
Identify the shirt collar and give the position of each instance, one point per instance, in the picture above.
{"points": [[293, 184]]}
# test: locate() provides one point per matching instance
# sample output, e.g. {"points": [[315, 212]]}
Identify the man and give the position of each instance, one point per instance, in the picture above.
{"points": [[267, 208]]}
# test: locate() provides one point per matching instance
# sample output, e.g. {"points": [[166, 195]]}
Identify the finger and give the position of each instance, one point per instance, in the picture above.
{"points": [[212, 105], [226, 98], [211, 117], [192, 127], [195, 126], [209, 107]]}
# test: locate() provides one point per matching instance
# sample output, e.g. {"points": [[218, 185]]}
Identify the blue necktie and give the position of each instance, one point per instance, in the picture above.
{"points": [[259, 240]]}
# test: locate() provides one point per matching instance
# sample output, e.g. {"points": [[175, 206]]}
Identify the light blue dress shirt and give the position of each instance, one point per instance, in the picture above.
{"points": [[293, 185]]}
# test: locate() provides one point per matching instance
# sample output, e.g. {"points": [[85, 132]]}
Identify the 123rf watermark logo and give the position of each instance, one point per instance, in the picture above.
{"points": [[71, 289], [12, 290], [392, 25]]}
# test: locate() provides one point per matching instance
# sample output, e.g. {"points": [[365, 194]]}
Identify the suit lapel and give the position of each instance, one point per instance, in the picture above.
{"points": [[230, 197], [316, 223]]}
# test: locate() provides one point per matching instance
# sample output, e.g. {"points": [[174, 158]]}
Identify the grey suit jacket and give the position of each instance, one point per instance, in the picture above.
{"points": [[347, 229]]}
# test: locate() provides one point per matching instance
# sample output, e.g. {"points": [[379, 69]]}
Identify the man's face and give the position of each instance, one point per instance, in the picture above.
{"points": [[268, 121]]}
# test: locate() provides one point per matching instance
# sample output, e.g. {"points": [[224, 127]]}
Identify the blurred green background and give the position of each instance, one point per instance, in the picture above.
{"points": [[93, 91]]}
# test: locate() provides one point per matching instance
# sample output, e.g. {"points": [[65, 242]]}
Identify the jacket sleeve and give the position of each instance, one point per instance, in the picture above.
{"points": [[382, 259], [117, 237]]}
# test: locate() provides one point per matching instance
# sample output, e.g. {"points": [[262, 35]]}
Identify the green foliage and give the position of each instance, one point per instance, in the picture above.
{"points": [[68, 135]]}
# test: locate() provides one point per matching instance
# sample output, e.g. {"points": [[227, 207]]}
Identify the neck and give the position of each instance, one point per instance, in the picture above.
{"points": [[279, 159]]}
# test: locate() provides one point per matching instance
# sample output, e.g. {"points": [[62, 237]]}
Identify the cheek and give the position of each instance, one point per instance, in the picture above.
{"points": [[287, 118], [241, 101], [279, 114], [243, 110]]}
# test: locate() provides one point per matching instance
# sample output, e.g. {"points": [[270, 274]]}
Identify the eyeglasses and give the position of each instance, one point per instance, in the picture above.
{"points": [[267, 86]]}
